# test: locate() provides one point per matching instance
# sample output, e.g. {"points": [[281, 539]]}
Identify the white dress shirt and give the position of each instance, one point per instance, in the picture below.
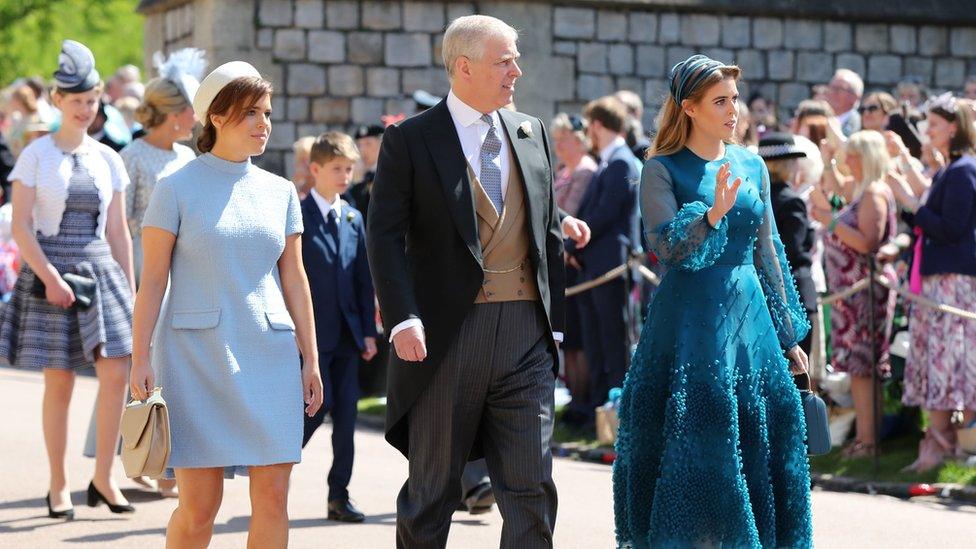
{"points": [[324, 205], [607, 151], [472, 130]]}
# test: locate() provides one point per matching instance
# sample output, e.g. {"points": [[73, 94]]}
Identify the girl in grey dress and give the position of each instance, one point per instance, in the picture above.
{"points": [[69, 217], [226, 234]]}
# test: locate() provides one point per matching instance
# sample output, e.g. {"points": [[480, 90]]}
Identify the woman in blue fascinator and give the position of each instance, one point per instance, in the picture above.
{"points": [[711, 445]]}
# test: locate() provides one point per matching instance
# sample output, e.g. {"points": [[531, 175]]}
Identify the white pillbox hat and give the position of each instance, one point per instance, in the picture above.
{"points": [[215, 81]]}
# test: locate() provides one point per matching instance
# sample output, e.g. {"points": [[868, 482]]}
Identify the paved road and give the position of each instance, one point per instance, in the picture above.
{"points": [[585, 515]]}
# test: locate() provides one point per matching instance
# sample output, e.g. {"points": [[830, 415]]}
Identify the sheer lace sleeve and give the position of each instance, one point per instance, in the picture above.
{"points": [[782, 298], [681, 238]]}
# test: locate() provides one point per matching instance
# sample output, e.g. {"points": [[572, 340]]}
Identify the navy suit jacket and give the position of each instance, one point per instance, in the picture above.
{"points": [[609, 207], [341, 286], [948, 220]]}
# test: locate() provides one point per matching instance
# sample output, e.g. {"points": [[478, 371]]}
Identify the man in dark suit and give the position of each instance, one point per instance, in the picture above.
{"points": [[609, 207], [334, 254], [368, 140], [465, 248]]}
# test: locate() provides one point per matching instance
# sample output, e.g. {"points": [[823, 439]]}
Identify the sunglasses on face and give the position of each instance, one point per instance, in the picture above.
{"points": [[868, 108]]}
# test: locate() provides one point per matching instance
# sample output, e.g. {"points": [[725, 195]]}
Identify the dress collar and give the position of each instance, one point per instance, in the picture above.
{"points": [[226, 166]]}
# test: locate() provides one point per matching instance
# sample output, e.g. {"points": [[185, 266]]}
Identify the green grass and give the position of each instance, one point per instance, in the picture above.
{"points": [[111, 28], [371, 406], [895, 454]]}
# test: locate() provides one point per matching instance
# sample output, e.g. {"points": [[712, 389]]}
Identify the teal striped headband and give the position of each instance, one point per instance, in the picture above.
{"points": [[689, 74]]}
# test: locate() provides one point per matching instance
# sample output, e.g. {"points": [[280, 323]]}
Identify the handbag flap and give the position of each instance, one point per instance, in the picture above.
{"points": [[136, 417]]}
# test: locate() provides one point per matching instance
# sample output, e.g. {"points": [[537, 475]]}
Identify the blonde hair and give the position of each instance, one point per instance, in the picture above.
{"points": [[303, 147], [466, 37], [674, 126], [870, 146], [562, 123], [783, 170], [162, 98], [331, 145]]}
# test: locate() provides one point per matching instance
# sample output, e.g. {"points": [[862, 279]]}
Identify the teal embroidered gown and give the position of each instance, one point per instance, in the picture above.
{"points": [[711, 446]]}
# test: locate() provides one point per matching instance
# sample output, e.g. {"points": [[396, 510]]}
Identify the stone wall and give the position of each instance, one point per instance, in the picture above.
{"points": [[340, 63]]}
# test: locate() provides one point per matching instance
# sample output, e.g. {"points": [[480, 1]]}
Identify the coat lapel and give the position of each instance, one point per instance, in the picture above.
{"points": [[445, 150], [529, 162]]}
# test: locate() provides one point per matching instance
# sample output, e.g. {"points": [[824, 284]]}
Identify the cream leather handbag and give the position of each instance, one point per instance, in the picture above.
{"points": [[145, 436]]}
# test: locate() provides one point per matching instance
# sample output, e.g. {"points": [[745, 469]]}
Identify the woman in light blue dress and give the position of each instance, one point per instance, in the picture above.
{"points": [[227, 236], [711, 446]]}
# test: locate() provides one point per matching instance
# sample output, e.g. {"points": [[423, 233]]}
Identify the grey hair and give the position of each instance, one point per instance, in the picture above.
{"points": [[852, 78], [466, 37]]}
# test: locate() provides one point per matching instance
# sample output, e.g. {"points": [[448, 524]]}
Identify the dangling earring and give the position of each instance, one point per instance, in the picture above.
{"points": [[176, 128]]}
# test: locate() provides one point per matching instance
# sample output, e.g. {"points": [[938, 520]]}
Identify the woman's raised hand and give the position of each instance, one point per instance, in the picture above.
{"points": [[725, 194]]}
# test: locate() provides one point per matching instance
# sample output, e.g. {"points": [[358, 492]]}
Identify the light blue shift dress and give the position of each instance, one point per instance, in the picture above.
{"points": [[224, 350]]}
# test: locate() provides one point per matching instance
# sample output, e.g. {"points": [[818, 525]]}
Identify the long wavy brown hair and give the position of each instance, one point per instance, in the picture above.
{"points": [[674, 126]]}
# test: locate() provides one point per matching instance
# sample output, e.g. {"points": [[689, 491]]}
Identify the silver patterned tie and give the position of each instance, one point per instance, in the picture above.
{"points": [[491, 174]]}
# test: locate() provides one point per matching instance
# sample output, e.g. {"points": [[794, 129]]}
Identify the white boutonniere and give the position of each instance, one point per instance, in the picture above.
{"points": [[350, 216], [525, 129]]}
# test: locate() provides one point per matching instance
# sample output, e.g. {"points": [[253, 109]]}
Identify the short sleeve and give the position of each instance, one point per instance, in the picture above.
{"points": [[120, 177], [294, 225], [163, 211], [25, 169]]}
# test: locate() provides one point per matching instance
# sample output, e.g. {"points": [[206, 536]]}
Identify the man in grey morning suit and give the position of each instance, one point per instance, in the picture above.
{"points": [[466, 252]]}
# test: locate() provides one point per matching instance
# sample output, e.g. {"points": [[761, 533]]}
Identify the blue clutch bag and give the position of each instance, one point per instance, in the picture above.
{"points": [[815, 412]]}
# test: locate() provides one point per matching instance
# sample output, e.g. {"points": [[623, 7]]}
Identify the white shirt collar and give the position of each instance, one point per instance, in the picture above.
{"points": [[324, 205], [465, 114], [608, 150]]}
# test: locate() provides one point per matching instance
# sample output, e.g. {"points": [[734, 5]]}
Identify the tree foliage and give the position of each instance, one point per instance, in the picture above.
{"points": [[31, 32]]}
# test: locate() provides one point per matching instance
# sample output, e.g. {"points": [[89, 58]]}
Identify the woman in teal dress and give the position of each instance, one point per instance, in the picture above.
{"points": [[711, 445]]}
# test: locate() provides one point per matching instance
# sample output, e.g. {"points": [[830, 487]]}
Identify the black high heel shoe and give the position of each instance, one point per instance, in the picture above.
{"points": [[68, 514], [95, 497]]}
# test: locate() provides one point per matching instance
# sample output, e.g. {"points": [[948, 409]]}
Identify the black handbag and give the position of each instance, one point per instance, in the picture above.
{"points": [[82, 286], [815, 413]]}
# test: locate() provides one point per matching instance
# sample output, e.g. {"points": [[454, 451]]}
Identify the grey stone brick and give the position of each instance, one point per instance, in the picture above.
{"points": [[311, 130], [298, 109], [382, 82], [330, 110], [621, 59], [561, 69], [669, 29], [790, 95], [903, 39], [407, 50], [346, 80], [265, 39], [919, 66], [655, 92], [309, 14], [437, 50], [365, 48], [884, 69], [455, 10], [434, 80], [635, 85], [780, 65], [962, 42], [838, 36], [366, 110], [814, 67], [574, 22], [326, 46], [950, 73], [650, 61], [592, 57], [933, 40], [871, 37], [378, 15], [394, 106], [564, 47], [752, 63], [699, 30], [271, 161], [767, 33], [282, 136], [289, 44], [677, 54], [305, 79], [805, 34], [342, 14], [852, 61], [643, 27], [720, 54], [275, 13], [611, 26], [592, 86], [423, 16], [278, 108], [736, 32]]}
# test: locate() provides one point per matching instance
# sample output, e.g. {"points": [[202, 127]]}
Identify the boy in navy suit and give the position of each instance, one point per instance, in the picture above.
{"points": [[334, 253]]}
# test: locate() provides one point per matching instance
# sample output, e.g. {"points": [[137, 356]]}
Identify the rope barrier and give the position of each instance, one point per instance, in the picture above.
{"points": [[856, 287], [612, 274], [924, 301]]}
